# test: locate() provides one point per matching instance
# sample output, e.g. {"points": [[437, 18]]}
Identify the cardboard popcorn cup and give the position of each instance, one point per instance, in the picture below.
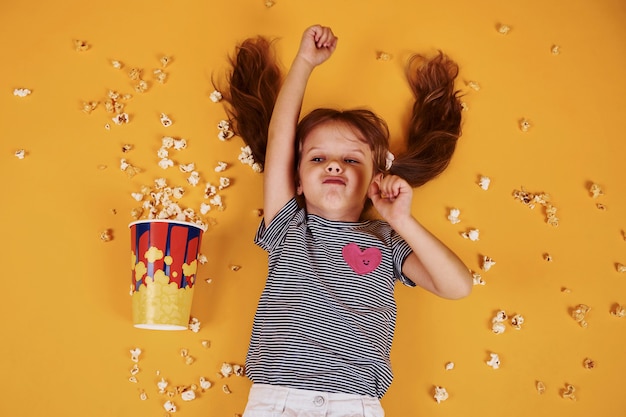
{"points": [[164, 264]]}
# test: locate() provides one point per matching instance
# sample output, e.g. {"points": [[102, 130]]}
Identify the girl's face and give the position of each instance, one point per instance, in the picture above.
{"points": [[335, 171]]}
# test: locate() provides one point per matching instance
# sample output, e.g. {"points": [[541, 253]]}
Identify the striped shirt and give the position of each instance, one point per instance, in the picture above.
{"points": [[326, 318]]}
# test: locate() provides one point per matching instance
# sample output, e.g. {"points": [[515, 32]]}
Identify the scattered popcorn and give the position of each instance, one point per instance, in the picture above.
{"points": [[160, 75], [162, 385], [500, 317], [618, 311], [484, 182], [226, 370], [225, 131], [258, 212], [595, 190], [80, 45], [473, 85], [20, 154], [224, 135], [216, 200], [194, 324], [135, 74], [141, 86], [180, 144], [454, 216], [107, 126], [530, 199], [504, 29], [464, 106], [477, 279], [498, 328], [517, 321], [194, 178], [449, 366], [189, 360], [170, 407], [134, 370], [221, 166], [216, 96], [541, 388], [187, 167], [188, 395], [166, 163], [589, 363], [165, 60], [134, 354], [494, 362], [106, 235], [524, 125], [224, 183], [487, 263], [238, 370], [620, 267], [547, 257], [21, 92], [383, 56], [120, 119], [235, 268], [245, 157], [601, 206], [579, 314], [165, 120], [566, 290], [440, 394], [202, 258], [117, 64], [133, 379], [90, 106], [205, 384], [568, 392], [269, 3], [142, 395], [472, 235], [556, 49], [206, 344], [127, 148], [225, 389], [205, 208]]}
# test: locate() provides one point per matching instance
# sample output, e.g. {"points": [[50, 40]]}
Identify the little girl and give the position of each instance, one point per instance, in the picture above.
{"points": [[325, 321]]}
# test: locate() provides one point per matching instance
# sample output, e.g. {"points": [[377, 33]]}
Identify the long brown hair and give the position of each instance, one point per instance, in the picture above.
{"points": [[255, 78], [253, 84]]}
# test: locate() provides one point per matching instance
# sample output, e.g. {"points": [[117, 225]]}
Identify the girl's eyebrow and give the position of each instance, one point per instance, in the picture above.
{"points": [[349, 151]]}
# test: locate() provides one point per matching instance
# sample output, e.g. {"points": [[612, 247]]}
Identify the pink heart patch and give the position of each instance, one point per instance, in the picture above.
{"points": [[361, 262]]}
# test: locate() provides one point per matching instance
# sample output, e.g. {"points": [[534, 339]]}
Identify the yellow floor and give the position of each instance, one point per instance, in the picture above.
{"points": [[66, 311]]}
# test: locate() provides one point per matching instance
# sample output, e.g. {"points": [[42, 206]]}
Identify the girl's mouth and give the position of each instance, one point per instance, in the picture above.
{"points": [[334, 180]]}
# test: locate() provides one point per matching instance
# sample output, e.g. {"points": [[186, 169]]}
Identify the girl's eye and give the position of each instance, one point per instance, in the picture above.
{"points": [[317, 159], [351, 161]]}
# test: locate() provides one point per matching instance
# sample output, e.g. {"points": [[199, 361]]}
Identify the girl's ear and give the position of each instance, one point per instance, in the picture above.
{"points": [[299, 188]]}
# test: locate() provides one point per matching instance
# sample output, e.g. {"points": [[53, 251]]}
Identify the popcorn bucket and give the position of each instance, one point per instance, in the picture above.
{"points": [[164, 264]]}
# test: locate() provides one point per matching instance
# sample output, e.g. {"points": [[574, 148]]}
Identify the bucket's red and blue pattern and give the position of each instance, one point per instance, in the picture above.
{"points": [[179, 241]]}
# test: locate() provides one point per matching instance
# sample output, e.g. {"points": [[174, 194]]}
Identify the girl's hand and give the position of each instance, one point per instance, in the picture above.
{"points": [[392, 197], [317, 45]]}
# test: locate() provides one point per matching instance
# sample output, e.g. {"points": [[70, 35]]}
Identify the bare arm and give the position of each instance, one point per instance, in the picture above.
{"points": [[317, 45], [432, 265]]}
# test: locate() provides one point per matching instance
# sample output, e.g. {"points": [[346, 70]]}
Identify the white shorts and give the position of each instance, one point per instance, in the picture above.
{"points": [[276, 401]]}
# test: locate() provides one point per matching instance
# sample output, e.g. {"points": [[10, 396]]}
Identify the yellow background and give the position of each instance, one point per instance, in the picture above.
{"points": [[65, 308]]}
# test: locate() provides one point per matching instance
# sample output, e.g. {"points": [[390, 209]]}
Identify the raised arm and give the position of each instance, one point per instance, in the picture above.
{"points": [[432, 265], [317, 45]]}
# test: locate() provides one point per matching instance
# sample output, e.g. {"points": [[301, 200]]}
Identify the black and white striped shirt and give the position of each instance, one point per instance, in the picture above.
{"points": [[326, 317]]}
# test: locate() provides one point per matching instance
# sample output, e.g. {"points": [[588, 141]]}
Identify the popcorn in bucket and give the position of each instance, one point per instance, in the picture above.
{"points": [[164, 266]]}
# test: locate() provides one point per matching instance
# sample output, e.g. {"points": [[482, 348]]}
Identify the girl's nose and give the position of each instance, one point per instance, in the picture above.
{"points": [[333, 167]]}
